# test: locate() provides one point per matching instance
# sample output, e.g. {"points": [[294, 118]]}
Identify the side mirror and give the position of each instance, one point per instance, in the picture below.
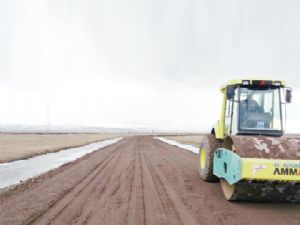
{"points": [[288, 95], [230, 92]]}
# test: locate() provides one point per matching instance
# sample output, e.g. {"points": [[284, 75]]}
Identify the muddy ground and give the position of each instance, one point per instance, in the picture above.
{"points": [[138, 181]]}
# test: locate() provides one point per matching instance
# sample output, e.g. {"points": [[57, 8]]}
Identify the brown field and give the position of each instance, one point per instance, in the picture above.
{"points": [[21, 146]]}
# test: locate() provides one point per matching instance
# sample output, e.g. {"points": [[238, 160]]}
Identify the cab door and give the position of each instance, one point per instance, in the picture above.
{"points": [[231, 114]]}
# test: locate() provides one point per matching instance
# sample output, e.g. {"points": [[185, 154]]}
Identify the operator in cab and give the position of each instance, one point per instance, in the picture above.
{"points": [[247, 107]]}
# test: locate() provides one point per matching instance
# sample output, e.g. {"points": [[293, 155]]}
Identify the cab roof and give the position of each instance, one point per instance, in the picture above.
{"points": [[253, 82]]}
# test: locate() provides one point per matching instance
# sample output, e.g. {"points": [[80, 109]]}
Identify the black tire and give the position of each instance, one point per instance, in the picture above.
{"points": [[206, 156]]}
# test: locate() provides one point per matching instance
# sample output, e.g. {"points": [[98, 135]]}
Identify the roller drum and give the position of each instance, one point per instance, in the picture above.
{"points": [[282, 148]]}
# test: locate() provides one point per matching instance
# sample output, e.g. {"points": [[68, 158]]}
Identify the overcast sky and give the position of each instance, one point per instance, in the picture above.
{"points": [[140, 63]]}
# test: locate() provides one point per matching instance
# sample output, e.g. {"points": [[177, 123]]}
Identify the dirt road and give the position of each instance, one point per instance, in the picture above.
{"points": [[138, 181]]}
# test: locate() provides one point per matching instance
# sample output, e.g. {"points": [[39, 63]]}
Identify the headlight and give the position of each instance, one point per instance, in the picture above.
{"points": [[246, 82]]}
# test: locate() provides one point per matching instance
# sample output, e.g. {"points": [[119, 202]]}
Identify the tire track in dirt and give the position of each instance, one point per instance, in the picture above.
{"points": [[136, 208], [79, 203], [169, 198], [116, 192], [74, 197], [155, 213]]}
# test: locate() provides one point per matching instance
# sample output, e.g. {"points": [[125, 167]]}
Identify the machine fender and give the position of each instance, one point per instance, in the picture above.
{"points": [[231, 167], [227, 165]]}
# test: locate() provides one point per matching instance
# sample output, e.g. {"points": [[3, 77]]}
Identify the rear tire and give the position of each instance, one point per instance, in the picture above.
{"points": [[206, 156]]}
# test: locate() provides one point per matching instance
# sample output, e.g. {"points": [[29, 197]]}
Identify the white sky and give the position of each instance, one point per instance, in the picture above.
{"points": [[147, 63]]}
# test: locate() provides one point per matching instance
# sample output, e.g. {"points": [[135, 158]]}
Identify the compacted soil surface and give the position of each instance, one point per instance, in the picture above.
{"points": [[138, 180]]}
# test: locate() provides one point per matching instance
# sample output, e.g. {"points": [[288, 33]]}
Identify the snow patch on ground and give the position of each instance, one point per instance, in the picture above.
{"points": [[20, 170], [175, 143]]}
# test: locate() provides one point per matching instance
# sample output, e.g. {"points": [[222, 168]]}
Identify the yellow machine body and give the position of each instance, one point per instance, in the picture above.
{"points": [[269, 169]]}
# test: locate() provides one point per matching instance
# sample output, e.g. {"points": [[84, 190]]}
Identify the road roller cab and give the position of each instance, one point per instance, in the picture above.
{"points": [[247, 150], [252, 107]]}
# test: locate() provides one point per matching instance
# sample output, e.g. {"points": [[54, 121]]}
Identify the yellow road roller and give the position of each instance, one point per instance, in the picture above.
{"points": [[247, 149]]}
